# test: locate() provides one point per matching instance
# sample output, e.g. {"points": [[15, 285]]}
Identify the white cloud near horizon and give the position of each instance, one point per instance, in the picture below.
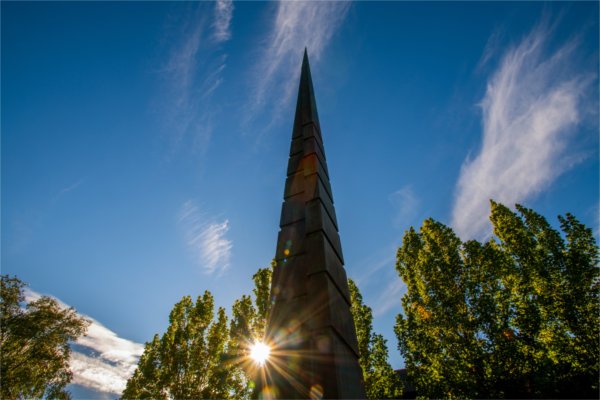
{"points": [[206, 239], [531, 109], [112, 359], [296, 25]]}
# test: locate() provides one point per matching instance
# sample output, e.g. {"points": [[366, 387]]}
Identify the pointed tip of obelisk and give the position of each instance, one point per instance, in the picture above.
{"points": [[306, 109], [305, 59]]}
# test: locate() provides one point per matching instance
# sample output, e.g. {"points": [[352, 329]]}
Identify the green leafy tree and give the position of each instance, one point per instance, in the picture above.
{"points": [[248, 325], [516, 316], [189, 361], [381, 382], [34, 343], [249, 317], [200, 358]]}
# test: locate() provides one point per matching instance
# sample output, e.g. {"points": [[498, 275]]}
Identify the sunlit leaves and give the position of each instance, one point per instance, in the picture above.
{"points": [[189, 360], [516, 316], [248, 324], [34, 344], [200, 355], [381, 382]]}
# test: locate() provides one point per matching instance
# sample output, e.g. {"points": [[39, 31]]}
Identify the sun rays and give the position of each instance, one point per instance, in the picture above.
{"points": [[259, 352]]}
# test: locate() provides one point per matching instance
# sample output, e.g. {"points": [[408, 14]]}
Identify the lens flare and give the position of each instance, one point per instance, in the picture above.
{"points": [[259, 352]]}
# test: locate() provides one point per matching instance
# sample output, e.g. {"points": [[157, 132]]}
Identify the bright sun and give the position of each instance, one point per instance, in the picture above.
{"points": [[259, 352]]}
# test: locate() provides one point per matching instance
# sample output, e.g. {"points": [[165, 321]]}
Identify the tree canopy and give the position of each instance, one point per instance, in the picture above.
{"points": [[189, 360], [514, 317], [248, 325], [34, 343], [381, 382], [201, 357]]}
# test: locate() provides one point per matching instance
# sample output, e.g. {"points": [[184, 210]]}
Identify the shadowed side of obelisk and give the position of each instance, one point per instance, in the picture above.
{"points": [[315, 352]]}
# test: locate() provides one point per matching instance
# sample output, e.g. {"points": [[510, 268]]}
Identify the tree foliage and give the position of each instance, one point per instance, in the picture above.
{"points": [[514, 317], [381, 382], [189, 360], [200, 357], [34, 343], [249, 317], [248, 325]]}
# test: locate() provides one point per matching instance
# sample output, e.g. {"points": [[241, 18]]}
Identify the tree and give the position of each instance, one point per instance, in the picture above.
{"points": [[248, 325], [249, 318], [189, 360], [381, 382], [200, 358], [516, 316], [34, 343]]}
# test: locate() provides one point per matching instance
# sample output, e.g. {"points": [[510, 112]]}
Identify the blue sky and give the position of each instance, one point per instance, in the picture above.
{"points": [[144, 145]]}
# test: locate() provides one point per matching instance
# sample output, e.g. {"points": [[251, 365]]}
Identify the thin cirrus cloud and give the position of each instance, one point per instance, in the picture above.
{"points": [[68, 189], [296, 25], [193, 71], [101, 360], [531, 109], [405, 203], [222, 22], [206, 239], [390, 297]]}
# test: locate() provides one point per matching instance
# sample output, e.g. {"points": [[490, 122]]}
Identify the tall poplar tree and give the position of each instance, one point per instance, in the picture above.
{"points": [[201, 356], [516, 316], [248, 324], [189, 361], [381, 382]]}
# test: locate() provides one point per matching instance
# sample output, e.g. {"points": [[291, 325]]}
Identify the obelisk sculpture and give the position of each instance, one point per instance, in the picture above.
{"points": [[314, 348]]}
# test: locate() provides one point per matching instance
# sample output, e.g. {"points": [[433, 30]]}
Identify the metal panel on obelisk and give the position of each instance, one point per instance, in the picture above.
{"points": [[311, 331]]}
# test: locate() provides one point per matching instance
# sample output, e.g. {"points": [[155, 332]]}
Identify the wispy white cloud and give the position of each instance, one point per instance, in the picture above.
{"points": [[193, 71], [296, 25], [531, 110], [405, 203], [213, 79], [222, 22], [101, 360], [95, 373], [111, 347], [68, 189], [491, 48], [180, 66], [390, 297], [206, 238], [384, 258]]}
